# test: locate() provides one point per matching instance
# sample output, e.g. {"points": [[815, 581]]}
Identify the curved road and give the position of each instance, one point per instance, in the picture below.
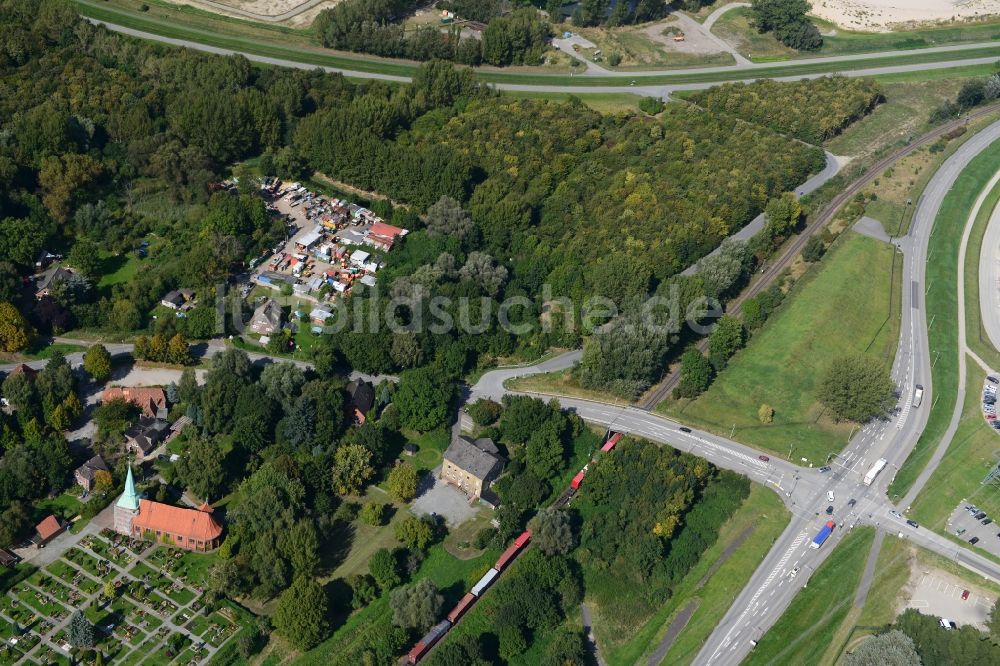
{"points": [[989, 279], [771, 588]]}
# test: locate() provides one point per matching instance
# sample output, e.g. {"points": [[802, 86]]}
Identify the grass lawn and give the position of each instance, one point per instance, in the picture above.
{"points": [[600, 102], [942, 305], [762, 511], [40, 351], [66, 505], [893, 569], [823, 318], [959, 476], [905, 113], [734, 27], [808, 626], [116, 269], [430, 448], [366, 539], [560, 383], [976, 336]]}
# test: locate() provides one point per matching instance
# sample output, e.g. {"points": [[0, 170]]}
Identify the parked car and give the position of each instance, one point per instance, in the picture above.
{"points": [[974, 540], [993, 380], [824, 468], [965, 595], [829, 510], [986, 521], [852, 502], [913, 524], [961, 530], [764, 458], [980, 515]]}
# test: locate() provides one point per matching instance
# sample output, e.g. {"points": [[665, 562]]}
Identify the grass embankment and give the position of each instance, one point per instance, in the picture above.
{"points": [[941, 297], [807, 628], [180, 27], [970, 456], [560, 383], [765, 516], [736, 28], [822, 319], [976, 337]]}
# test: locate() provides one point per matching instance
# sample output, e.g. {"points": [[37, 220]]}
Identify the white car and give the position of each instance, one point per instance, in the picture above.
{"points": [[829, 496]]}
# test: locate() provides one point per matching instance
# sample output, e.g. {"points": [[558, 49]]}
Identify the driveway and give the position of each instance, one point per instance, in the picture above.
{"points": [[437, 497]]}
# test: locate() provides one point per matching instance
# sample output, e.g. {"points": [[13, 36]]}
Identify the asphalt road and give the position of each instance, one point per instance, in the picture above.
{"points": [[639, 89], [772, 586]]}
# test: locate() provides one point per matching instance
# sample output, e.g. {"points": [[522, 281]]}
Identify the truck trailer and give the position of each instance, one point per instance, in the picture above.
{"points": [[874, 471], [823, 534]]}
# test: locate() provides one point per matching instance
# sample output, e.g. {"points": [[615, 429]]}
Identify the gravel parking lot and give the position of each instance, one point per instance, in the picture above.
{"points": [[938, 593], [436, 496], [989, 535]]}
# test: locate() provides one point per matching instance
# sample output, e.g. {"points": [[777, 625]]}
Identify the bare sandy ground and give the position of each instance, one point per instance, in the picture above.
{"points": [[284, 11], [885, 15]]}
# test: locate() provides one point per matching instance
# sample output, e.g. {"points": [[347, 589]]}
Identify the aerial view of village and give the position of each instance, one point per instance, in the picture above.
{"points": [[488, 332]]}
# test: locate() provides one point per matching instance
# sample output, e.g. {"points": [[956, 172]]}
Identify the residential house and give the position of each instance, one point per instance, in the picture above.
{"points": [[47, 530], [179, 299], [267, 318], [471, 465], [319, 316], [359, 258], [150, 399], [145, 435], [50, 278], [360, 398], [7, 558], [87, 472]]}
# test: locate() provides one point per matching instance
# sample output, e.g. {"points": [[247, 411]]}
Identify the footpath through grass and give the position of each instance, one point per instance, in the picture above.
{"points": [[823, 317], [941, 297], [806, 629], [764, 514], [960, 474]]}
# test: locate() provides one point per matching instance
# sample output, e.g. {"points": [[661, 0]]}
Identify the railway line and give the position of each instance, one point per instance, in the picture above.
{"points": [[662, 390]]}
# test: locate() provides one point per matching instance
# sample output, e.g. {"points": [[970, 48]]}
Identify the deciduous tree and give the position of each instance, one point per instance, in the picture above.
{"points": [[301, 615], [97, 362], [417, 606], [857, 388], [402, 482]]}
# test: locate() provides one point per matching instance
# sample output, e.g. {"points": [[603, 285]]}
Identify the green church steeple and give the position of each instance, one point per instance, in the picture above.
{"points": [[130, 498]]}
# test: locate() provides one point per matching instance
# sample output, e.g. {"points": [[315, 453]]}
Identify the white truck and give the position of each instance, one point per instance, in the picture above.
{"points": [[874, 471], [918, 395]]}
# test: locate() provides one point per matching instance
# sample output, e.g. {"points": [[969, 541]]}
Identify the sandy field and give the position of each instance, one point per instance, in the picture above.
{"points": [[290, 12], [885, 15]]}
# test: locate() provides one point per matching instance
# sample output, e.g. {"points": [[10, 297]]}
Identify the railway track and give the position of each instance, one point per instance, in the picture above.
{"points": [[660, 392]]}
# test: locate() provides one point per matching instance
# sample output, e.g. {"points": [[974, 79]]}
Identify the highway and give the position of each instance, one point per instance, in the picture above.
{"points": [[772, 587], [837, 65]]}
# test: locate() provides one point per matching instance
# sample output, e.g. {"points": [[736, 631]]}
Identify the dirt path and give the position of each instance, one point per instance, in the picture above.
{"points": [[684, 616]]}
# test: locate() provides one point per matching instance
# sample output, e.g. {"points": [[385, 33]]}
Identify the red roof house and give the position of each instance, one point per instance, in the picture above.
{"points": [[383, 235], [47, 530], [149, 399]]}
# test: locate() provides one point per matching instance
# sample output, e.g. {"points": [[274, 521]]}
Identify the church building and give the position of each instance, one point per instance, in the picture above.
{"points": [[191, 529]]}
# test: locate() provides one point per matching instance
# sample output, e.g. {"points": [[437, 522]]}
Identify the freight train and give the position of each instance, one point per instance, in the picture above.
{"points": [[432, 637]]}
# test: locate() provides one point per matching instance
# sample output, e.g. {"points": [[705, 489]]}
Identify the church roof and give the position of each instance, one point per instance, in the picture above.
{"points": [[130, 498], [175, 520]]}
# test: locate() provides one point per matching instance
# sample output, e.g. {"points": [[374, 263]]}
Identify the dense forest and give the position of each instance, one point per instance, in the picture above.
{"points": [[504, 196], [374, 26], [813, 110]]}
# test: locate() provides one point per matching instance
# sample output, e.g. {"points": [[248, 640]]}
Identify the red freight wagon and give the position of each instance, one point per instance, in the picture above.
{"points": [[578, 479], [512, 550], [428, 641], [610, 444], [462, 606]]}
